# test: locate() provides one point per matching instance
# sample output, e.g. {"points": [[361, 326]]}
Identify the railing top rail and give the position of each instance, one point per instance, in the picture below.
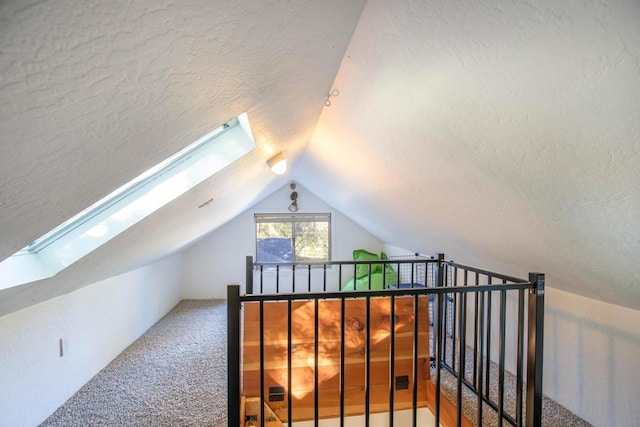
{"points": [[385, 292], [486, 272], [352, 262]]}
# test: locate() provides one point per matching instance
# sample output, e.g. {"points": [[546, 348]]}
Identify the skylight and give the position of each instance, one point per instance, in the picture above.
{"points": [[128, 205]]}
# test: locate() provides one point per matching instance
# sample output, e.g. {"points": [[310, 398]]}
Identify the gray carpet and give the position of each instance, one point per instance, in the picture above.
{"points": [[174, 375], [553, 414]]}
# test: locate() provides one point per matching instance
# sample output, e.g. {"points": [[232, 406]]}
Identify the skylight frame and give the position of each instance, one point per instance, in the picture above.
{"points": [[129, 204], [133, 186]]}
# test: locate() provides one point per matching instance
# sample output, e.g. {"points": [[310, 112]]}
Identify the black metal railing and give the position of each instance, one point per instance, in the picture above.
{"points": [[315, 276], [477, 341], [487, 316]]}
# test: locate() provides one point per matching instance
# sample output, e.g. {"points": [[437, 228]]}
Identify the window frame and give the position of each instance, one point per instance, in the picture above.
{"points": [[293, 218], [131, 203]]}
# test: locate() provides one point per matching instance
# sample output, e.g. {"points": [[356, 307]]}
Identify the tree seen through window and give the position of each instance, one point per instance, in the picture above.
{"points": [[292, 237]]}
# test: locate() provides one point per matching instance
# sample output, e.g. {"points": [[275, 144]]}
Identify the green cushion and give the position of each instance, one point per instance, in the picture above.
{"points": [[389, 267], [362, 283], [363, 255]]}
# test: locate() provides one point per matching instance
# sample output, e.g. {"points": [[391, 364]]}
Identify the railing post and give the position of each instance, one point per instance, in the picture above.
{"points": [[233, 355], [249, 274], [535, 350], [438, 344], [440, 271]]}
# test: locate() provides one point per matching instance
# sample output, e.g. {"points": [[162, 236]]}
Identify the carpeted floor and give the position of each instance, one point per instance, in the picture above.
{"points": [[176, 375], [553, 414]]}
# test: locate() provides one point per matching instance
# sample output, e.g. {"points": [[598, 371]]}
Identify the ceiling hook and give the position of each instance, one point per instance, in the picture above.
{"points": [[333, 93]]}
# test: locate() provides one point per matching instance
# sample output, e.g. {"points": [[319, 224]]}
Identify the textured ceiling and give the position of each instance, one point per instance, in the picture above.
{"points": [[94, 93], [505, 134]]}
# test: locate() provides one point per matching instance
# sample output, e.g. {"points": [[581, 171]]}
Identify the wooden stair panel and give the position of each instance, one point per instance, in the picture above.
{"points": [[302, 407], [275, 349], [329, 405], [252, 409], [328, 375], [303, 357]]}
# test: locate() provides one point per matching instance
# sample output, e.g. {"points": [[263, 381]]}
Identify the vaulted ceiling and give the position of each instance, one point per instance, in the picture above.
{"points": [[505, 134]]}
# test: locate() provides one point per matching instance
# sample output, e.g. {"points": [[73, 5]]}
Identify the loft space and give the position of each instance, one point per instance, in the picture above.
{"points": [[477, 131]]}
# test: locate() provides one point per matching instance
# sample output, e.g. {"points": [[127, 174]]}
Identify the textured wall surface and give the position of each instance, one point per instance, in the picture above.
{"points": [[505, 134], [95, 323], [94, 93], [591, 355], [218, 260]]}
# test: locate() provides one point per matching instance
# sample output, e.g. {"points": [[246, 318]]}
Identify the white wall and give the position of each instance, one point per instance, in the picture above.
{"points": [[96, 323], [592, 358], [219, 259], [591, 355]]}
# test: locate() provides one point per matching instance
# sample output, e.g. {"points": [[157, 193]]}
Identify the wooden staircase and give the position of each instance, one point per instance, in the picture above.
{"points": [[303, 393], [250, 412]]}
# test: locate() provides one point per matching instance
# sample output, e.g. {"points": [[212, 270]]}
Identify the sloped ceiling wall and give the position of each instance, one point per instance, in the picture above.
{"points": [[94, 93], [505, 134]]}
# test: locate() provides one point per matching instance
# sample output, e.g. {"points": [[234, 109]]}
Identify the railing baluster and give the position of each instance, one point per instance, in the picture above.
{"points": [[367, 373], [463, 337], [342, 357], [413, 270], [392, 356], [293, 278], [439, 311], [249, 275], [384, 276], [261, 279], [414, 403], [355, 275], [461, 362], [261, 305], [289, 363], [233, 353], [520, 361], [475, 334], [444, 325], [439, 342], [453, 320], [481, 315], [309, 278], [277, 279], [501, 346], [324, 277], [488, 329], [316, 395]]}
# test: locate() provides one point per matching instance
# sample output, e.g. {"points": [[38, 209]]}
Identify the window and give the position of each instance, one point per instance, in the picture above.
{"points": [[293, 237], [129, 204]]}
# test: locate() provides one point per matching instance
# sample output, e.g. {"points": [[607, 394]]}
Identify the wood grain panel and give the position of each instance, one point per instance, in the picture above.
{"points": [[303, 358]]}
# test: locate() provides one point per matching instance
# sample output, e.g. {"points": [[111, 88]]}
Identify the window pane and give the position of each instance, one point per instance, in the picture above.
{"points": [[312, 241], [128, 205], [293, 237], [274, 242]]}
